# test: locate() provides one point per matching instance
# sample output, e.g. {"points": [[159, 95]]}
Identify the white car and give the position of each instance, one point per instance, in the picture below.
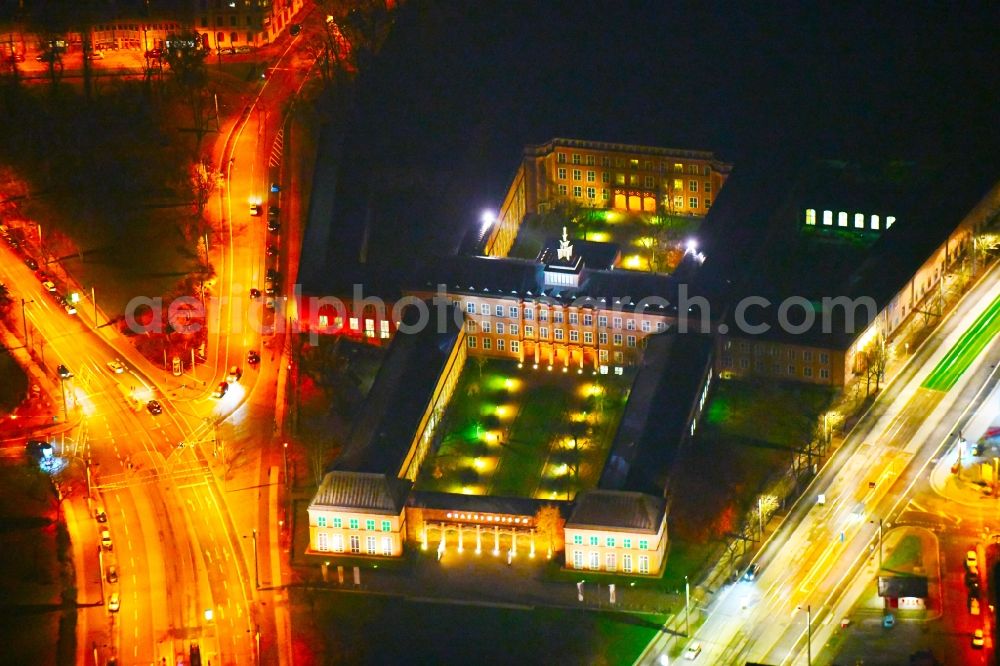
{"points": [[49, 285], [692, 651], [116, 366], [106, 539], [971, 560], [114, 602]]}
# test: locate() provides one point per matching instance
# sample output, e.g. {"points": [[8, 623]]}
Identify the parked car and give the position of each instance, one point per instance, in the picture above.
{"points": [[974, 606], [114, 602], [269, 287], [100, 515], [255, 209], [243, 49], [49, 285], [272, 250], [253, 357], [154, 407], [95, 55], [32, 264], [116, 366], [295, 29], [273, 211], [977, 639], [112, 574], [220, 390], [68, 307], [255, 294], [234, 374], [751, 573], [273, 225], [106, 539], [64, 371]]}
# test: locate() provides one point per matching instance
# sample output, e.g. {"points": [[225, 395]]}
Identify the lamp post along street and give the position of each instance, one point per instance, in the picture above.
{"points": [[256, 568], [687, 607], [809, 636]]}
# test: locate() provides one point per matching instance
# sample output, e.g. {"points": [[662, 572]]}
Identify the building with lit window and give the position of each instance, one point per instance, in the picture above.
{"points": [[236, 23], [844, 255], [598, 174]]}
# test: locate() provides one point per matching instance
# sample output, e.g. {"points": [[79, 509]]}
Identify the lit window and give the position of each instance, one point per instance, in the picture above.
{"points": [[562, 173], [588, 320], [841, 219], [561, 158], [631, 341], [643, 564], [321, 541], [321, 521], [591, 176], [618, 322], [588, 337], [354, 323], [500, 345], [370, 525], [875, 222], [591, 193], [486, 327], [577, 191], [515, 347], [338, 543], [353, 523], [499, 328], [593, 541], [692, 185], [558, 333], [574, 336], [859, 220], [576, 158], [618, 339], [471, 342], [370, 328], [387, 546], [512, 312], [693, 202], [643, 544], [338, 522], [577, 559], [889, 220], [386, 526], [487, 343], [827, 218], [626, 543], [529, 331], [610, 542], [562, 190], [470, 307], [384, 329], [602, 338], [370, 545], [513, 329]]}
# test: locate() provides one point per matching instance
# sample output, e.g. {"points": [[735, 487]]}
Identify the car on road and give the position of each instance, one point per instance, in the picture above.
{"points": [[255, 294], [114, 602], [64, 371], [112, 574], [273, 211], [971, 578], [269, 287], [269, 303], [977, 639], [273, 225], [692, 651], [974, 606], [220, 390], [154, 54], [31, 263], [751, 573], [243, 49], [295, 29], [971, 560], [15, 57], [154, 407], [272, 250], [255, 209], [974, 591], [253, 357], [67, 306], [39, 449], [116, 366], [234, 374], [106, 539], [49, 285], [275, 187], [100, 515]]}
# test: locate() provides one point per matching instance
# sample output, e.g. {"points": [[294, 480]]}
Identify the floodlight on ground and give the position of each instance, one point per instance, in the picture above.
{"points": [[692, 245], [487, 218]]}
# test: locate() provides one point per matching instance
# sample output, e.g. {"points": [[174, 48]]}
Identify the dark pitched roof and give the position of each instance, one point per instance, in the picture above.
{"points": [[514, 506], [490, 275], [377, 493], [902, 586], [657, 418], [766, 207], [617, 510], [384, 430]]}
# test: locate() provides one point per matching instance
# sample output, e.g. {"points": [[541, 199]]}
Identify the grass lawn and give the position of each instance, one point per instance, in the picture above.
{"points": [[906, 556], [13, 382], [750, 431], [29, 566], [357, 629], [631, 232], [520, 432]]}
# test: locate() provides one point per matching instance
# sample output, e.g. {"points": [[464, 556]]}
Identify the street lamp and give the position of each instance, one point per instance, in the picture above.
{"points": [[256, 568], [687, 608]]}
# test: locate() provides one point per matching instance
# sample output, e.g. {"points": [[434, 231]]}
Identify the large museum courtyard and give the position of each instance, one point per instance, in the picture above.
{"points": [[525, 432]]}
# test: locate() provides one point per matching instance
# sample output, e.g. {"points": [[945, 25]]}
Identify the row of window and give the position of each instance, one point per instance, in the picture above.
{"points": [[610, 561], [558, 336], [774, 350], [529, 329], [790, 370], [512, 312], [610, 542], [633, 163], [352, 523], [515, 345], [633, 179], [335, 543], [354, 325], [861, 221], [693, 202]]}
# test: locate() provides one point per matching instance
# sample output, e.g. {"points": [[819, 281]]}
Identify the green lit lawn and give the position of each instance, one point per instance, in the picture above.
{"points": [[509, 432], [356, 629], [632, 233], [968, 347]]}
